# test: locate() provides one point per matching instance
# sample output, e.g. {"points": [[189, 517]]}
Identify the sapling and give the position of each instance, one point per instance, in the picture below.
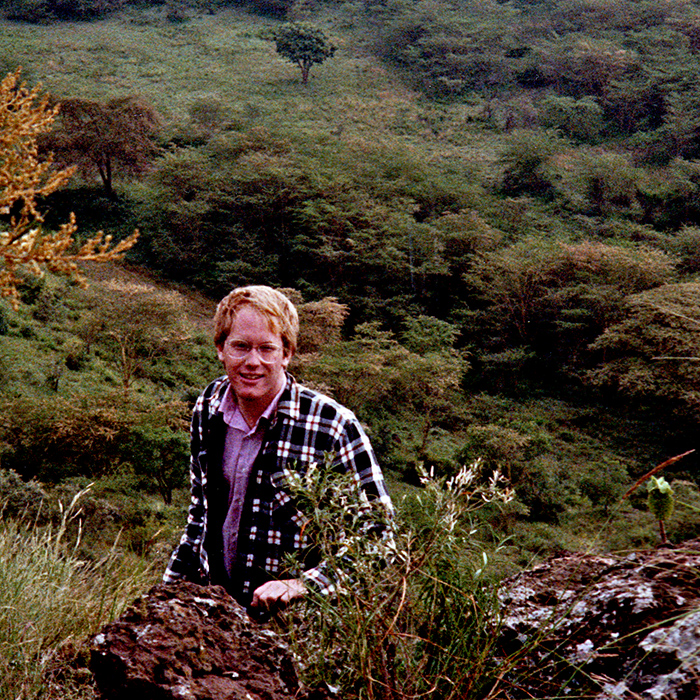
{"points": [[660, 501]]}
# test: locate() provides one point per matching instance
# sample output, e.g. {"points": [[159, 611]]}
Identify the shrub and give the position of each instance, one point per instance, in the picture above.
{"points": [[47, 306], [410, 614], [40, 11], [76, 354], [370, 371], [56, 439], [685, 244], [651, 356], [527, 162], [599, 183], [578, 119], [554, 299], [159, 455], [21, 499], [450, 48], [603, 483]]}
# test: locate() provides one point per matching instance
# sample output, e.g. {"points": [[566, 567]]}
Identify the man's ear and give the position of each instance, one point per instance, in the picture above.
{"points": [[220, 352], [286, 358]]}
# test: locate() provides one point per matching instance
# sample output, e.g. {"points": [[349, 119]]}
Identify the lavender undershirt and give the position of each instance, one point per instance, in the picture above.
{"points": [[240, 450]]}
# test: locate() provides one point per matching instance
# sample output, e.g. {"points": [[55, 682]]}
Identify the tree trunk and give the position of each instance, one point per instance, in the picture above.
{"points": [[305, 68], [105, 168]]}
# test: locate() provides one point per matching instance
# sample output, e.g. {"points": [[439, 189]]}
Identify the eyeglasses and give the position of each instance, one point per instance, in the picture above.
{"points": [[238, 350]]}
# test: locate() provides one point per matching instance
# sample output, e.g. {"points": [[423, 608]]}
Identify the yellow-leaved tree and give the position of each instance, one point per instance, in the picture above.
{"points": [[25, 176]]}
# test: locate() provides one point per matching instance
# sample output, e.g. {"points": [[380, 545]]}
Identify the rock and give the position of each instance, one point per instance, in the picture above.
{"points": [[611, 627], [190, 642], [604, 627]]}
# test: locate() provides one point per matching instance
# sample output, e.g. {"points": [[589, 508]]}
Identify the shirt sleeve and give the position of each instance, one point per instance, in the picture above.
{"points": [[185, 562]]}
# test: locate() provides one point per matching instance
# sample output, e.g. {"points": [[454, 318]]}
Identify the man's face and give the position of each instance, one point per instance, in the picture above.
{"points": [[255, 360]]}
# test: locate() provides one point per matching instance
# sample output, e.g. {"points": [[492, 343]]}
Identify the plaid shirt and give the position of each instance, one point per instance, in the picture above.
{"points": [[307, 426]]}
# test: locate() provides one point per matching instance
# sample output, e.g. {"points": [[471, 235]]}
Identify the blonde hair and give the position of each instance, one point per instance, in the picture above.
{"points": [[275, 306]]}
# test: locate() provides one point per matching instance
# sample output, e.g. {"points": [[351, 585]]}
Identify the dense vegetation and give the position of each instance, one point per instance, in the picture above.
{"points": [[488, 212]]}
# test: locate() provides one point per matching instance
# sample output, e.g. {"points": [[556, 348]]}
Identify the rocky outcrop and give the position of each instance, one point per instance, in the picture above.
{"points": [[601, 627], [609, 627], [189, 642]]}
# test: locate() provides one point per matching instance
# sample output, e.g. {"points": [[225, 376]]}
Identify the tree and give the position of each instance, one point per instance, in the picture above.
{"points": [[368, 373], [140, 322], [303, 44], [559, 297], [25, 176], [102, 138], [527, 161], [652, 356], [578, 119], [57, 438]]}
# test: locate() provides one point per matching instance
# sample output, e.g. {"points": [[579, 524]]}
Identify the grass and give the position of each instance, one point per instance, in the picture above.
{"points": [[222, 53], [223, 57], [50, 600]]}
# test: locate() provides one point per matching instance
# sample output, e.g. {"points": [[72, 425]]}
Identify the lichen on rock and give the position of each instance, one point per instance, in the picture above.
{"points": [[606, 626]]}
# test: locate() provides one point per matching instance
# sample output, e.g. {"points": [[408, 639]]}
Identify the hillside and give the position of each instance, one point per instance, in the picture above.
{"points": [[487, 214]]}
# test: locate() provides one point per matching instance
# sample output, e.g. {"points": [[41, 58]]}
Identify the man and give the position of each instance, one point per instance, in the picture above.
{"points": [[247, 427]]}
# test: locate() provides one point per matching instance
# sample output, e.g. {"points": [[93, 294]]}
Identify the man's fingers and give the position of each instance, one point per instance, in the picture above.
{"points": [[275, 593]]}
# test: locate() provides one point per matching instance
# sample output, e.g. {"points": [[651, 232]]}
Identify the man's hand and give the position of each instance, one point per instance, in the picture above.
{"points": [[277, 594]]}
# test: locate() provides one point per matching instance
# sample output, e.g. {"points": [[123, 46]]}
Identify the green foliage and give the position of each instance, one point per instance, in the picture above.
{"points": [[303, 44], [660, 502], [684, 524], [250, 208], [652, 354], [139, 323], [581, 120], [56, 10], [528, 460], [685, 246], [56, 439], [585, 66], [21, 499], [598, 183], [669, 197], [426, 334], [603, 483], [556, 298], [371, 371], [159, 455], [410, 614], [450, 48], [527, 162], [660, 499]]}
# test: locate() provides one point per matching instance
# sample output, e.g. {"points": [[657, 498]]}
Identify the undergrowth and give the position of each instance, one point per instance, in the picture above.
{"points": [[414, 612], [51, 600]]}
